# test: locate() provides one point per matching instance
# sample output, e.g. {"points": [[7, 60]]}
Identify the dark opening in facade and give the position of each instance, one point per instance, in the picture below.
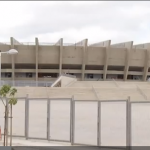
{"points": [[47, 75], [90, 76], [29, 75], [8, 74]]}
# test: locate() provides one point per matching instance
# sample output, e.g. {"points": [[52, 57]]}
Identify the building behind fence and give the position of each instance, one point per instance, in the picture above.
{"points": [[97, 61]]}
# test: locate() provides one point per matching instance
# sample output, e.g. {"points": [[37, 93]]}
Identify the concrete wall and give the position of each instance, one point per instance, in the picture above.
{"points": [[48, 55], [117, 56], [137, 57], [95, 55], [72, 55], [66, 81], [6, 59], [26, 54], [63, 81]]}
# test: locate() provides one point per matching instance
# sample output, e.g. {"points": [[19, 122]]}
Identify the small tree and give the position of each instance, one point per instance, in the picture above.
{"points": [[7, 94]]}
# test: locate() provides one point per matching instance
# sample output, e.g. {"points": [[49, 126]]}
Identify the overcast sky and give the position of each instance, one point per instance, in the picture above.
{"points": [[74, 21]]}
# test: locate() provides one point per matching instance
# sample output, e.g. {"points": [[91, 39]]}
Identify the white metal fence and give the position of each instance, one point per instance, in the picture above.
{"points": [[82, 122]]}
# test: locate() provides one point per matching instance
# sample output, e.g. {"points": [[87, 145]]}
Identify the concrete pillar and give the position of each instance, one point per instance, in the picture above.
{"points": [[12, 44], [106, 63], [147, 57], [128, 46], [85, 42], [60, 43], [36, 59], [107, 45], [145, 71], [126, 68], [60, 56]]}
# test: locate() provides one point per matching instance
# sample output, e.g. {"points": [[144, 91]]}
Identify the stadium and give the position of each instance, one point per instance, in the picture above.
{"points": [[74, 75], [39, 62], [78, 93]]}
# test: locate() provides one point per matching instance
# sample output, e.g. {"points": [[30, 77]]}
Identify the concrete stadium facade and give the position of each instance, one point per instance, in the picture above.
{"points": [[99, 61]]}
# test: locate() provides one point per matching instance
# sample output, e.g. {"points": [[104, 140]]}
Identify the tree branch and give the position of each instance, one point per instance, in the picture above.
{"points": [[3, 101]]}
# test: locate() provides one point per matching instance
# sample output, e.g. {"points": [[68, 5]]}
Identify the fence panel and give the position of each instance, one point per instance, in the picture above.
{"points": [[60, 120], [140, 128], [51, 119], [38, 118], [18, 120], [113, 124], [86, 122]]}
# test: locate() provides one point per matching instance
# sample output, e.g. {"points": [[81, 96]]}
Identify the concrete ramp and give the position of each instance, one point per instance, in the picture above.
{"points": [[64, 80]]}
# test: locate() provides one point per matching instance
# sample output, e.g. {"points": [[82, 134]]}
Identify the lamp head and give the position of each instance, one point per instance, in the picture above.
{"points": [[12, 51]]}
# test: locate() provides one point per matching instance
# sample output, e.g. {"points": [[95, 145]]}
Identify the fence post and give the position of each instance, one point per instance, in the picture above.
{"points": [[128, 122], [48, 119], [72, 120], [7, 121], [99, 124], [26, 117]]}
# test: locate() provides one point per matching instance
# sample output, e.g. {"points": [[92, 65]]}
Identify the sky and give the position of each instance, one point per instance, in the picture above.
{"points": [[74, 21]]}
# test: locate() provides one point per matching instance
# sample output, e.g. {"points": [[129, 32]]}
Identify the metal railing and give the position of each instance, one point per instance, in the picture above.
{"points": [[33, 43], [82, 122], [32, 83], [27, 83], [68, 75]]}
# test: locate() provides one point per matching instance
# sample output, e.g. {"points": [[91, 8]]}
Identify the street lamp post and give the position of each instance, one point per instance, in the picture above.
{"points": [[10, 52]]}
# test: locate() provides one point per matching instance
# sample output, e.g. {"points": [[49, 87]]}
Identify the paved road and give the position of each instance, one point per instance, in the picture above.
{"points": [[64, 148]]}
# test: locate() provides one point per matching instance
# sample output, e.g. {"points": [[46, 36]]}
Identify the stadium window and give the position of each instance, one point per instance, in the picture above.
{"points": [[29, 75], [90, 76], [120, 76], [8, 75], [71, 73]]}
